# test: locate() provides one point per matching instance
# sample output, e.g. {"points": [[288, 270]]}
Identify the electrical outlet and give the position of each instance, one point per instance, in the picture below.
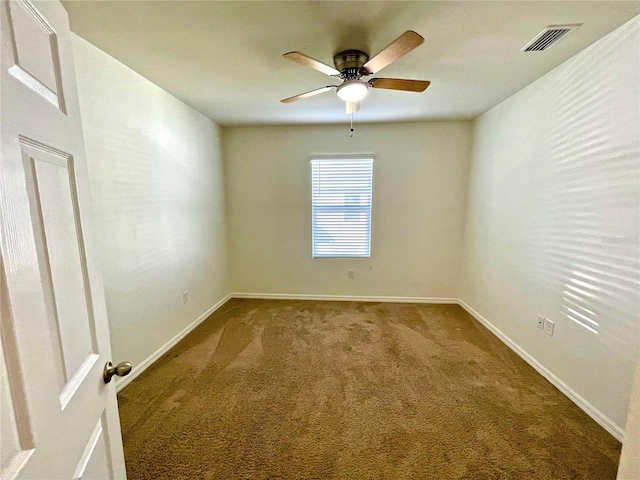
{"points": [[541, 322], [548, 327], [349, 273], [185, 297]]}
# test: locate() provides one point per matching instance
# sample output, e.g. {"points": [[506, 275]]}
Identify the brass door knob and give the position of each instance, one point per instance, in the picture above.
{"points": [[122, 369]]}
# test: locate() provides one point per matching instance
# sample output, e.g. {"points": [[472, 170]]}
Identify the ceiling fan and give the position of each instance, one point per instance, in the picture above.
{"points": [[352, 65]]}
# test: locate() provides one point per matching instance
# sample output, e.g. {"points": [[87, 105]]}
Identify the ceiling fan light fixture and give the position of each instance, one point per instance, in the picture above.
{"points": [[353, 91]]}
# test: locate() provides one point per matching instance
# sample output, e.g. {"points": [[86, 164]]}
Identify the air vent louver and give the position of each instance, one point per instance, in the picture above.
{"points": [[548, 37]]}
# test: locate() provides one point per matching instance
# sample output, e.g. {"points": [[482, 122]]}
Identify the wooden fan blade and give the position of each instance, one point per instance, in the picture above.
{"points": [[400, 84], [399, 47], [303, 59], [308, 94]]}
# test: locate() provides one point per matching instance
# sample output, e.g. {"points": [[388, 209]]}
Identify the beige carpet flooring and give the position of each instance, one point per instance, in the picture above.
{"points": [[346, 390]]}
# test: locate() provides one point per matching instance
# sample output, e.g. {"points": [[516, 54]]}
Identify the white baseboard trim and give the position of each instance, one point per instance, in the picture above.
{"points": [[343, 298], [122, 382], [138, 369], [604, 421]]}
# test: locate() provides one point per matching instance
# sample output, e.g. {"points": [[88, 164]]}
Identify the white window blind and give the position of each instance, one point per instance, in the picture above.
{"points": [[341, 207]]}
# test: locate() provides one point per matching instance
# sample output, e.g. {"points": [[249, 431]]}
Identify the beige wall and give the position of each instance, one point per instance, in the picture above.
{"points": [[419, 183], [156, 178], [552, 225]]}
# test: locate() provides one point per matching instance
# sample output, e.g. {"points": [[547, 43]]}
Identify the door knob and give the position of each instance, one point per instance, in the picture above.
{"points": [[122, 369]]}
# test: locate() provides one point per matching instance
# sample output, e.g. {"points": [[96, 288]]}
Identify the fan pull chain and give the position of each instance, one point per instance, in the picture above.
{"points": [[351, 133]]}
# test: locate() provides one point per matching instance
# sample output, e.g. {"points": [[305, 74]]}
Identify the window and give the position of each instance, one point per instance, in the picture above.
{"points": [[341, 206]]}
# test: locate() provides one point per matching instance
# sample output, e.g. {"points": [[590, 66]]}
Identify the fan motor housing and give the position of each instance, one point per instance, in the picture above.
{"points": [[350, 63]]}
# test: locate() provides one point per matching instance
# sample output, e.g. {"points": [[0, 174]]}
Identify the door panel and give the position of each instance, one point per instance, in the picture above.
{"points": [[95, 458], [35, 51], [55, 215], [61, 420]]}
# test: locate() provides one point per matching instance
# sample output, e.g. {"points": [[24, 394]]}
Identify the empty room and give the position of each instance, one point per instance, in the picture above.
{"points": [[320, 239]]}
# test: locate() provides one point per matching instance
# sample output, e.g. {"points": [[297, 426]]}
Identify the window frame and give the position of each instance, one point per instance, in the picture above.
{"points": [[363, 156]]}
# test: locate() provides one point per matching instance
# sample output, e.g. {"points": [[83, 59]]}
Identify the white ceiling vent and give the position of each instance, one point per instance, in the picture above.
{"points": [[548, 37]]}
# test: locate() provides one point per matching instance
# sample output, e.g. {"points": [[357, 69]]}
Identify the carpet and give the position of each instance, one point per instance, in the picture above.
{"points": [[275, 389]]}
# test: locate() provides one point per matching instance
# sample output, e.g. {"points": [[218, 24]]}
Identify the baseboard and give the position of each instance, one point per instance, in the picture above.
{"points": [[138, 369], [122, 382], [587, 407], [343, 298], [604, 421]]}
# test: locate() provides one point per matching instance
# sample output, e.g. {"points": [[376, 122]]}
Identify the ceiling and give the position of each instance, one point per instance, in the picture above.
{"points": [[224, 58]]}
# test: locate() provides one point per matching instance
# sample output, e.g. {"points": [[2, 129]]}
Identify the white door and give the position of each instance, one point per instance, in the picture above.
{"points": [[59, 419]]}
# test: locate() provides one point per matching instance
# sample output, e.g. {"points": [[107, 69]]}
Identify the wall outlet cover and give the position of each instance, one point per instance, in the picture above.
{"points": [[185, 297], [541, 322], [548, 327]]}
